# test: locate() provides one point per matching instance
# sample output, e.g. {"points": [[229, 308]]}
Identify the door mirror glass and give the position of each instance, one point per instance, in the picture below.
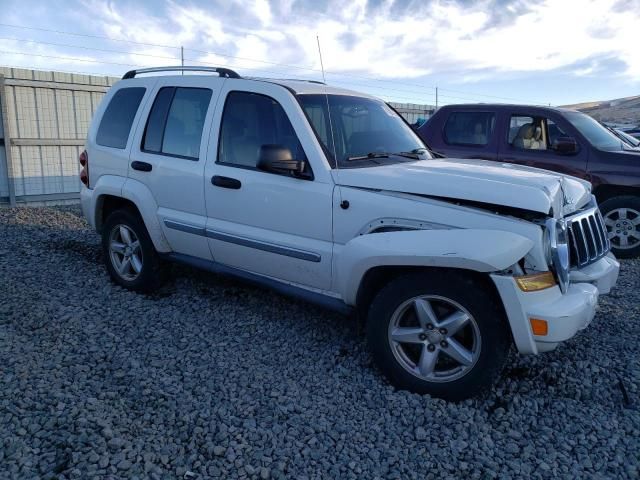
{"points": [[565, 145], [279, 159]]}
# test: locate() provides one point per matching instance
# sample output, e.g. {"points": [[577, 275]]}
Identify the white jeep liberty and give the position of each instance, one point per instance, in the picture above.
{"points": [[328, 195]]}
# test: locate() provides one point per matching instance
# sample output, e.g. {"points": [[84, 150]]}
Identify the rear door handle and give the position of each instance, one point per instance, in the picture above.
{"points": [[141, 166], [226, 182]]}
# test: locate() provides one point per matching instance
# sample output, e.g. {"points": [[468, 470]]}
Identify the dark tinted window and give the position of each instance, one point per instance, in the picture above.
{"points": [[469, 128], [554, 132], [250, 121], [176, 121], [118, 117], [158, 116]]}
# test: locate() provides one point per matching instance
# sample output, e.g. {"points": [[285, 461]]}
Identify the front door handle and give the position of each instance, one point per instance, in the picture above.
{"points": [[141, 166], [226, 182]]}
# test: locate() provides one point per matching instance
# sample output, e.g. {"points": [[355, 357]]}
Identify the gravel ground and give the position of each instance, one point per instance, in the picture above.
{"points": [[209, 378]]}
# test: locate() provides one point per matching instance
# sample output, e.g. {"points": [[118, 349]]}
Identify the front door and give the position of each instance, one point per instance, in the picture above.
{"points": [[168, 157], [269, 224], [529, 141]]}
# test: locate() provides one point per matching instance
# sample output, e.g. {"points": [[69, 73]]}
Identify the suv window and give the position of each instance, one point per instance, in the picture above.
{"points": [[469, 128], [176, 120], [118, 117], [249, 121], [533, 133], [554, 132]]}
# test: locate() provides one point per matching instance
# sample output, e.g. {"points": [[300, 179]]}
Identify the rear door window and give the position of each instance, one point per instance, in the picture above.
{"points": [[469, 128], [118, 117], [176, 120]]}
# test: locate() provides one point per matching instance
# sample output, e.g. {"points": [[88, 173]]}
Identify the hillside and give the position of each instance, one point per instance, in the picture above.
{"points": [[622, 111]]}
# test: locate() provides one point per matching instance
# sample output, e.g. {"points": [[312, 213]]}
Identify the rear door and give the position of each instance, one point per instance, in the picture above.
{"points": [[168, 157], [469, 134], [528, 138]]}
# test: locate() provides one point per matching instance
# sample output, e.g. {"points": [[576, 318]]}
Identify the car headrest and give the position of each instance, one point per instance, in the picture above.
{"points": [[526, 131]]}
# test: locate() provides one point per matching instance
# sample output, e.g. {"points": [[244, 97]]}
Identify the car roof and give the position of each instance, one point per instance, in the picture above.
{"points": [[296, 86], [506, 106]]}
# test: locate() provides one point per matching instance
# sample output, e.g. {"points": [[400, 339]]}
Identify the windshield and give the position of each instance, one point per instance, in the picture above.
{"points": [[595, 133], [367, 132]]}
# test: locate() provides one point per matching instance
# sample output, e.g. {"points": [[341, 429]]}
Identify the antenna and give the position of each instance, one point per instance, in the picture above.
{"points": [[333, 141], [321, 64]]}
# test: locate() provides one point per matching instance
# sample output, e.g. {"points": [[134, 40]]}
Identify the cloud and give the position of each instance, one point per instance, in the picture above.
{"points": [[387, 39]]}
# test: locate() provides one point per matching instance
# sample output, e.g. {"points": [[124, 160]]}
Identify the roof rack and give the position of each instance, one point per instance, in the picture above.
{"points": [[223, 72]]}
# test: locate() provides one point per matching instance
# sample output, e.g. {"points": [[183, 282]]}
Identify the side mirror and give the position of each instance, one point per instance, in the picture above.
{"points": [[565, 145], [279, 159]]}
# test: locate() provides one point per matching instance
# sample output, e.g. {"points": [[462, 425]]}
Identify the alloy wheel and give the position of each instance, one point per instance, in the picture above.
{"points": [[434, 338], [623, 227], [125, 252]]}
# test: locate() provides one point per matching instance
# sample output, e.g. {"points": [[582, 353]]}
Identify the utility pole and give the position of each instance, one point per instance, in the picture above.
{"points": [[436, 98], [182, 57]]}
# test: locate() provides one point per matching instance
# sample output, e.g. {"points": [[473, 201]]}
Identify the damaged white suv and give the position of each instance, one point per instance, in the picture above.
{"points": [[328, 195]]}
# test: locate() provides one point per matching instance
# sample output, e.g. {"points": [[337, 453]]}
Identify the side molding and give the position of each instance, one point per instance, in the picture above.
{"points": [[244, 241], [290, 290]]}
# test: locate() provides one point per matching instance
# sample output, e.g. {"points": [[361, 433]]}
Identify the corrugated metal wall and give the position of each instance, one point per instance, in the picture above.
{"points": [[46, 119], [413, 112]]}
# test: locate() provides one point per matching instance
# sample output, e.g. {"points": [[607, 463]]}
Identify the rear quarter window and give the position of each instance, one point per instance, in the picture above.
{"points": [[469, 128], [117, 119]]}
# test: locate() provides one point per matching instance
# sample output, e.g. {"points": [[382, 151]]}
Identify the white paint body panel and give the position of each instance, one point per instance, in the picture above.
{"points": [[177, 183], [474, 180], [295, 231], [273, 209]]}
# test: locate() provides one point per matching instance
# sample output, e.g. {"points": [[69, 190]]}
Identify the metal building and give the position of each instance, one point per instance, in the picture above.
{"points": [[413, 112], [43, 126], [45, 117]]}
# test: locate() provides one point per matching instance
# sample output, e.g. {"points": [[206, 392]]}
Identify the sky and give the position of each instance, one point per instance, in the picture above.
{"points": [[512, 51]]}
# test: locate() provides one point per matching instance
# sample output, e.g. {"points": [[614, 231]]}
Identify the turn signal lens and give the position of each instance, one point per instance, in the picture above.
{"points": [[535, 282], [539, 327]]}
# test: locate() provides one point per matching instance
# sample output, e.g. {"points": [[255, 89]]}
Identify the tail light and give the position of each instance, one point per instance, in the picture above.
{"points": [[84, 173]]}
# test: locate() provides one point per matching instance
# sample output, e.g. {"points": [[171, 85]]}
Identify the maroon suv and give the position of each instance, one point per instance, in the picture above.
{"points": [[556, 139]]}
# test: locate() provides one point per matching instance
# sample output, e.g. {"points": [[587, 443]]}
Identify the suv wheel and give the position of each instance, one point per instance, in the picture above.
{"points": [[622, 219], [443, 336], [130, 257]]}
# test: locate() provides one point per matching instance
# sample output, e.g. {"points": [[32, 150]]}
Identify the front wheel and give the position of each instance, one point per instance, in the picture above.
{"points": [[439, 334], [622, 219]]}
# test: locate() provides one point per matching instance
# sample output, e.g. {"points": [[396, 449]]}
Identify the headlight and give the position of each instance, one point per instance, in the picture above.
{"points": [[557, 250]]}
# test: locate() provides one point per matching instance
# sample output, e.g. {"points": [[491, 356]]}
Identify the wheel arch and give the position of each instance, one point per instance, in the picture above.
{"points": [[607, 192], [376, 278], [136, 196], [483, 251]]}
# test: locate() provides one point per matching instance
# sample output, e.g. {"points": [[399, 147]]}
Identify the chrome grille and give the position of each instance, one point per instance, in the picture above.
{"points": [[588, 237]]}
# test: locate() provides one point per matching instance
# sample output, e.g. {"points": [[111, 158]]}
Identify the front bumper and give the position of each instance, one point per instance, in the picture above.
{"points": [[565, 314]]}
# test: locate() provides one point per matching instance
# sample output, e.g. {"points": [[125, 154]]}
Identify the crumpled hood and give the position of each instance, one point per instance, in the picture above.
{"points": [[483, 181]]}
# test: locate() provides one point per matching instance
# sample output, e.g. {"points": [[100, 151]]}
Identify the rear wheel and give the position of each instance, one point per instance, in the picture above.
{"points": [[443, 336], [622, 219], [130, 257]]}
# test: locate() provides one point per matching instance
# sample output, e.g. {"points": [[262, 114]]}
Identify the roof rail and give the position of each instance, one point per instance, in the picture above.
{"points": [[223, 72]]}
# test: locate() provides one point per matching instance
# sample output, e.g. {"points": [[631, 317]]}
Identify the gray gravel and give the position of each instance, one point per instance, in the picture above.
{"points": [[209, 378]]}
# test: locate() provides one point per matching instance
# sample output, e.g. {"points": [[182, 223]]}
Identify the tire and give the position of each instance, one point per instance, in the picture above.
{"points": [[144, 271], [485, 336], [622, 215]]}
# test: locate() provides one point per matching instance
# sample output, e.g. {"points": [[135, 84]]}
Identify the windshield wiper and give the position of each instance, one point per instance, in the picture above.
{"points": [[369, 156]]}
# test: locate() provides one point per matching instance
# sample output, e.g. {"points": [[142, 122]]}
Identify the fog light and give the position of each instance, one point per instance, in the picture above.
{"points": [[535, 282], [539, 327]]}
